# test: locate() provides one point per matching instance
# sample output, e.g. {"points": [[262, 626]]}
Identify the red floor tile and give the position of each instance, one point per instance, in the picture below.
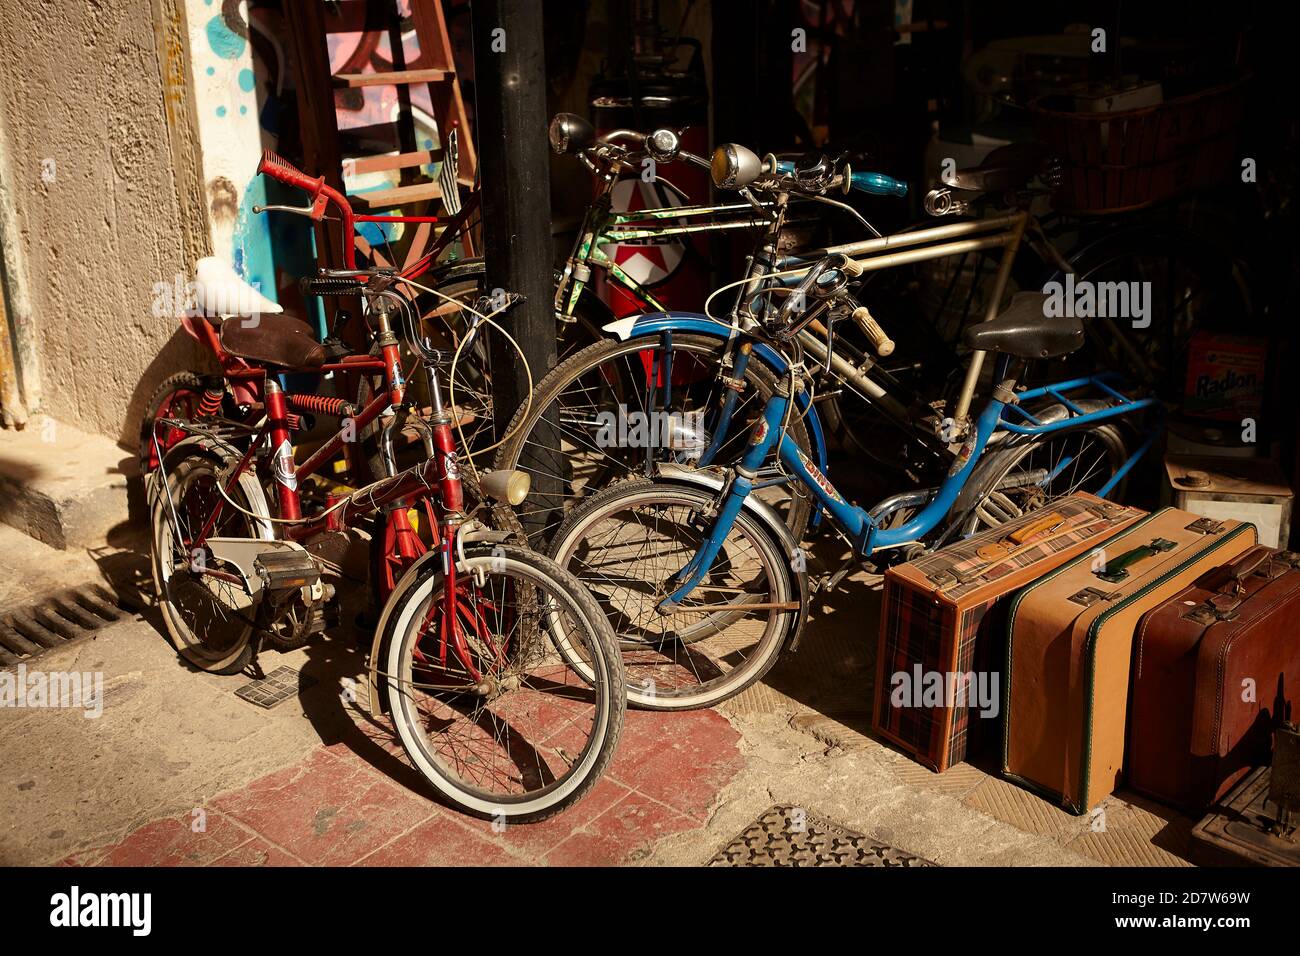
{"points": [[621, 835], [174, 842], [326, 810], [684, 760], [256, 852], [442, 841], [536, 839]]}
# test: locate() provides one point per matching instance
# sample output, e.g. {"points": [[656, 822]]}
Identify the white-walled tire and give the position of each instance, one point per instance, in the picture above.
{"points": [[209, 624], [697, 657], [576, 716]]}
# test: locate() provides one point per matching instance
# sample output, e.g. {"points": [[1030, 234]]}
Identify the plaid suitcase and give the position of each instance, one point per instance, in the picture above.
{"points": [[1215, 669], [1070, 645], [936, 619]]}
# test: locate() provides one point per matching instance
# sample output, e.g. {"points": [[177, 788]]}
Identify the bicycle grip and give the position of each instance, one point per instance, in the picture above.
{"points": [[881, 342], [279, 168], [878, 184], [328, 285]]}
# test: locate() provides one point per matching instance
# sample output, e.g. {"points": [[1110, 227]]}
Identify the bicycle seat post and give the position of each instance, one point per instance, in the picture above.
{"points": [[962, 411]]}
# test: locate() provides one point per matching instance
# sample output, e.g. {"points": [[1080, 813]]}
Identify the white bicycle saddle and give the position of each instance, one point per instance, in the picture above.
{"points": [[220, 292]]}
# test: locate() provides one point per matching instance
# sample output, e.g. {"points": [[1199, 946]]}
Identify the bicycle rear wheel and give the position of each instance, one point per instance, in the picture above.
{"points": [[206, 611], [1014, 480], [600, 417], [485, 699]]}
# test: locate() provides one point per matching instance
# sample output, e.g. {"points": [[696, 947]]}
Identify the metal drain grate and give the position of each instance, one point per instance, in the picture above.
{"points": [[57, 621], [275, 688], [790, 836]]}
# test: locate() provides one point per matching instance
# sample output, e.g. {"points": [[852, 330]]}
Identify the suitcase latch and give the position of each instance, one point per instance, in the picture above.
{"points": [[1107, 511], [1216, 609], [1205, 526], [1090, 596], [941, 579]]}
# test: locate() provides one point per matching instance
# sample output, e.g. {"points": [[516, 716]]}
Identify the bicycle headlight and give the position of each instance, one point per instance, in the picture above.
{"points": [[570, 133], [734, 166]]}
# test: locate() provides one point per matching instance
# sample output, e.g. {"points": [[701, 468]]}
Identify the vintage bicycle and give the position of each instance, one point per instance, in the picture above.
{"points": [[474, 654], [705, 582], [862, 379]]}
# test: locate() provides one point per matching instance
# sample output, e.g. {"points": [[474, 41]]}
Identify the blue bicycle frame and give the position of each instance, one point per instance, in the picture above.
{"points": [[857, 523]]}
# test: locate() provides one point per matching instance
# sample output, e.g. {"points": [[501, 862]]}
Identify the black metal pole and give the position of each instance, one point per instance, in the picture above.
{"points": [[510, 91]]}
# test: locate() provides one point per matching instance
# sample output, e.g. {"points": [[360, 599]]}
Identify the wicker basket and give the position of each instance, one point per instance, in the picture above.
{"points": [[1113, 162]]}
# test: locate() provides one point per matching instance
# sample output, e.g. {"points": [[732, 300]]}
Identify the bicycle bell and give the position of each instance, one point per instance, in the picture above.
{"points": [[663, 145]]}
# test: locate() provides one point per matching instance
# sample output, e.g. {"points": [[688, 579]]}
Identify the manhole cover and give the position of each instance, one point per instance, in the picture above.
{"points": [[790, 836], [58, 620], [275, 688]]}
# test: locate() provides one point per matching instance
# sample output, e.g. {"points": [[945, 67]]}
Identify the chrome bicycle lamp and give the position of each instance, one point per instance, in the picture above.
{"points": [[734, 166]]}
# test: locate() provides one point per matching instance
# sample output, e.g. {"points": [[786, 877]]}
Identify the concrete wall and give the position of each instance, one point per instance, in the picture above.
{"points": [[103, 199]]}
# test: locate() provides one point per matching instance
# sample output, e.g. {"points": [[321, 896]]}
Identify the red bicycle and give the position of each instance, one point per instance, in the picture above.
{"points": [[501, 674]]}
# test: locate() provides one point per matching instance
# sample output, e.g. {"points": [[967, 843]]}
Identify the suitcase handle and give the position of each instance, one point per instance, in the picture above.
{"points": [[1245, 566], [1006, 546], [1117, 570]]}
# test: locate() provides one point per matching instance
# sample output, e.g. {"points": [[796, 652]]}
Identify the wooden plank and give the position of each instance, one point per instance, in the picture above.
{"points": [[383, 198], [393, 78], [448, 104], [375, 164]]}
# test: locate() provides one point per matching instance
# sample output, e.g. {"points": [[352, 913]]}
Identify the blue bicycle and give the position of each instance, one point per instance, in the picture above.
{"points": [[703, 580]]}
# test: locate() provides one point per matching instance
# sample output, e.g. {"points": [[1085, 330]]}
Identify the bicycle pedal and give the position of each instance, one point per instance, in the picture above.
{"points": [[287, 570]]}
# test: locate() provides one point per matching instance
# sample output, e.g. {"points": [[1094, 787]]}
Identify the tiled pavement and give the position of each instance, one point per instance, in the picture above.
{"points": [[333, 808]]}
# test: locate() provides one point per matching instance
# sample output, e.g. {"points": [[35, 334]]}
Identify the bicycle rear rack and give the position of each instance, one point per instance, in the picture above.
{"points": [[1099, 386]]}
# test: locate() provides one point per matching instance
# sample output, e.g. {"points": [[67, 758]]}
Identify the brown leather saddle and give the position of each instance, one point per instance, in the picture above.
{"points": [[272, 339]]}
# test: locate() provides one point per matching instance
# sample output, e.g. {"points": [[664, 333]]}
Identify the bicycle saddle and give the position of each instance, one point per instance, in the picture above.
{"points": [[1006, 169], [1023, 331], [273, 340]]}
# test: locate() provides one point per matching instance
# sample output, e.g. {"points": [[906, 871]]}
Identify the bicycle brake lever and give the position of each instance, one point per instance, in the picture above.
{"points": [[307, 211]]}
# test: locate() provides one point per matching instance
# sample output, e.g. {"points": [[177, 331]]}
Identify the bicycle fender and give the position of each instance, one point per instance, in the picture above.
{"points": [[228, 456], [796, 558], [658, 322]]}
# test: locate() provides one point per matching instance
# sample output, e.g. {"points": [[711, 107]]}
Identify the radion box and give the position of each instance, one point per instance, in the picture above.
{"points": [[1225, 376]]}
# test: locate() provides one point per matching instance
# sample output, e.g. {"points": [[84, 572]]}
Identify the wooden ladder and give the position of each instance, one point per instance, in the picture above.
{"points": [[385, 146]]}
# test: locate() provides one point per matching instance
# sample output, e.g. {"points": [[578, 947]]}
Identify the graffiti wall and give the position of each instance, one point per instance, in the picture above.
{"points": [[244, 96]]}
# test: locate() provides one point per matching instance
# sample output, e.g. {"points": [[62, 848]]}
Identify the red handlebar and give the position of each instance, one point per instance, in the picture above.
{"points": [[277, 167], [280, 168]]}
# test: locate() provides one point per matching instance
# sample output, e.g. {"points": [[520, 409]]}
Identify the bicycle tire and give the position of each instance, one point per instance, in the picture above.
{"points": [[643, 695], [797, 506], [404, 630]]}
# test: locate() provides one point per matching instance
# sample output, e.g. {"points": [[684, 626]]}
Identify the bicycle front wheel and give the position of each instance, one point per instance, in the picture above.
{"points": [[625, 545], [483, 693]]}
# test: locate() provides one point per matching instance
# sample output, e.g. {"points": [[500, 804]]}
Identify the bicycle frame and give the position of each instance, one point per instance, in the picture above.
{"points": [[861, 526], [601, 226]]}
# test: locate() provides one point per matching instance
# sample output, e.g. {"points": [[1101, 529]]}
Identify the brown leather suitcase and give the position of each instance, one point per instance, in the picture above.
{"points": [[1215, 669], [939, 618], [1070, 644]]}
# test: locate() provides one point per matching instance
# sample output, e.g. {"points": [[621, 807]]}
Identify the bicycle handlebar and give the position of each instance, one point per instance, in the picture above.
{"points": [[280, 169], [877, 184]]}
